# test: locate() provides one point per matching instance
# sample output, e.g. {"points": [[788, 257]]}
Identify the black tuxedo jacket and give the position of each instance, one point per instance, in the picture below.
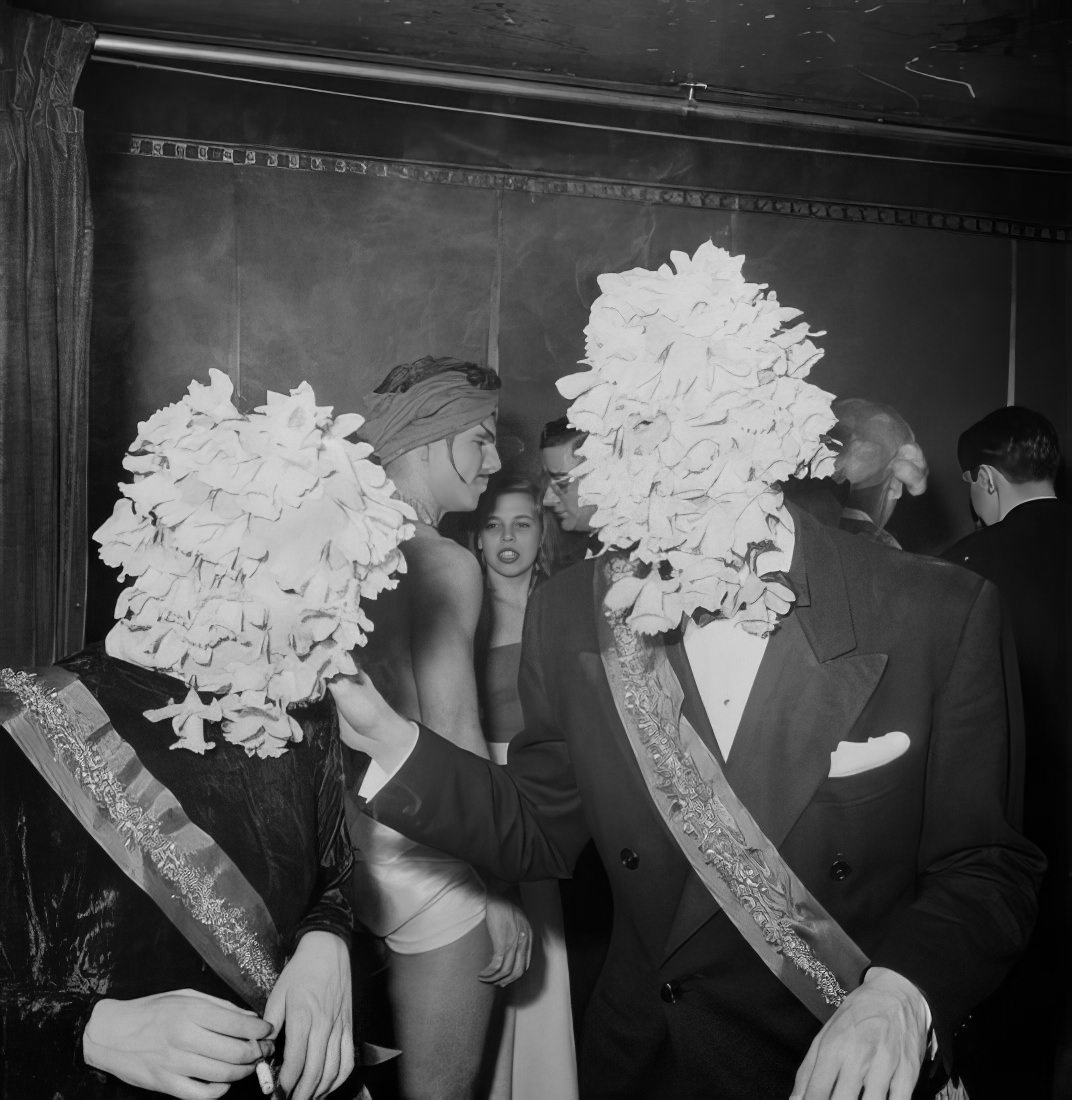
{"points": [[918, 859], [1027, 556]]}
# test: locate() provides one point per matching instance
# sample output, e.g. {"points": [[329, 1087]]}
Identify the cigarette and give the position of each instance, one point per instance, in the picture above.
{"points": [[265, 1077]]}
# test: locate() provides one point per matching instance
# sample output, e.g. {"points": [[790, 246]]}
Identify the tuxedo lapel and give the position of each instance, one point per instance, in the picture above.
{"points": [[799, 708], [810, 690]]}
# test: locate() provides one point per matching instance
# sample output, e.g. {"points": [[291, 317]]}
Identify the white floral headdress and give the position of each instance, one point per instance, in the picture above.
{"points": [[251, 541], [696, 407]]}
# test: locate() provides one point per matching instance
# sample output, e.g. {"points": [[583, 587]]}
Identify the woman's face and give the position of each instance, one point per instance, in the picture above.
{"points": [[510, 537]]}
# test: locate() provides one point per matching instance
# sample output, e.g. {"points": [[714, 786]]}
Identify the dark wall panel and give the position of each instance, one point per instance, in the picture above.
{"points": [[164, 311], [554, 248], [342, 277], [917, 320], [1043, 351], [278, 276]]}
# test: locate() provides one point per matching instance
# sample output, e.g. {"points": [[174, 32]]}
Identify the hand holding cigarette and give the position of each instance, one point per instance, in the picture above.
{"points": [[183, 1043]]}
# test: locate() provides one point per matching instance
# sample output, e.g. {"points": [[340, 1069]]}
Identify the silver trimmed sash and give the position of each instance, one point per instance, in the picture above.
{"points": [[802, 944], [65, 733], [798, 940]]}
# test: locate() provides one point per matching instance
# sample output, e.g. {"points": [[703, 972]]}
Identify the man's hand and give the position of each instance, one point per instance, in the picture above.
{"points": [[511, 942], [184, 1043], [872, 1047], [311, 1004], [368, 724]]}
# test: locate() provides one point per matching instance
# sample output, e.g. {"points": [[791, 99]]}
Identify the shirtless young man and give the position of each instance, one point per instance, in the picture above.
{"points": [[432, 425]]}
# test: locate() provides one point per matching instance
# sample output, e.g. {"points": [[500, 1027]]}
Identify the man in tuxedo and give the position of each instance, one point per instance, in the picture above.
{"points": [[790, 746], [1011, 459]]}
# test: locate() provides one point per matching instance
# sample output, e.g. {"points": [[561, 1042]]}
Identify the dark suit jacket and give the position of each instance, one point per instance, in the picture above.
{"points": [[917, 859], [1027, 556]]}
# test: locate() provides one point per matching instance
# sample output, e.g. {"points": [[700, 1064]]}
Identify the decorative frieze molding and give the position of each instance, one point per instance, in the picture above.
{"points": [[535, 183]]}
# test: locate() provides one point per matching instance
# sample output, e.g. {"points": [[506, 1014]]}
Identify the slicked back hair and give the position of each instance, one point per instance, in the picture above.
{"points": [[558, 432], [1019, 442]]}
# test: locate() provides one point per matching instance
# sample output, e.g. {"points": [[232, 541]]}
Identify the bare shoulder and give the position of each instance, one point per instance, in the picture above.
{"points": [[440, 569]]}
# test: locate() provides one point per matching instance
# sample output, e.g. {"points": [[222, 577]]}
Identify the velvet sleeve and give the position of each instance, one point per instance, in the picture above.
{"points": [[330, 911], [57, 924]]}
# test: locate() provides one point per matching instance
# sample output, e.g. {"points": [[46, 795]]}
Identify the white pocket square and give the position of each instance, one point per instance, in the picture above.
{"points": [[852, 757]]}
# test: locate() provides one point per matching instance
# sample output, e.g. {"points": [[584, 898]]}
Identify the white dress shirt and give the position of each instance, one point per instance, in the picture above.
{"points": [[724, 661]]}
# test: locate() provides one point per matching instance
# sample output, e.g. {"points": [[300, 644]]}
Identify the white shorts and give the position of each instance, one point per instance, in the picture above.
{"points": [[414, 897]]}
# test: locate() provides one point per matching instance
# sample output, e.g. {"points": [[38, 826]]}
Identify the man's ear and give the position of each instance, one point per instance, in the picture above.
{"points": [[424, 454], [988, 479]]}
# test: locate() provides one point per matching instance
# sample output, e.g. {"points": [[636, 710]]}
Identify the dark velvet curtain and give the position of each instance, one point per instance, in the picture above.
{"points": [[46, 244]]}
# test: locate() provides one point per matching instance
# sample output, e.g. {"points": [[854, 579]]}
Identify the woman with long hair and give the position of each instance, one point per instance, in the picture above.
{"points": [[536, 1055]]}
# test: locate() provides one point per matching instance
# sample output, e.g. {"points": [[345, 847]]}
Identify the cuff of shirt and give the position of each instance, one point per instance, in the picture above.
{"points": [[377, 777]]}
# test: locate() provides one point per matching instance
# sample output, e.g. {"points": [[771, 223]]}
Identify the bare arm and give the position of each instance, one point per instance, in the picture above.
{"points": [[446, 592]]}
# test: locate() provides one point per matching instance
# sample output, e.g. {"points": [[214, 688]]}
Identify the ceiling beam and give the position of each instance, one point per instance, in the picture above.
{"points": [[114, 46]]}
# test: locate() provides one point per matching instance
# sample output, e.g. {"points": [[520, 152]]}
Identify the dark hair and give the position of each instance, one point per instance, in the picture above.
{"points": [[507, 481], [1019, 442], [407, 375], [558, 432]]}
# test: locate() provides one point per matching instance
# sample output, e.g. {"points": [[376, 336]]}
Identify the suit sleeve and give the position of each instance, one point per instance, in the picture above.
{"points": [[977, 876], [519, 822]]}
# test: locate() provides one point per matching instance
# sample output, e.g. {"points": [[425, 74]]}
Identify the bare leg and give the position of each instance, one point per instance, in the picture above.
{"points": [[442, 1018]]}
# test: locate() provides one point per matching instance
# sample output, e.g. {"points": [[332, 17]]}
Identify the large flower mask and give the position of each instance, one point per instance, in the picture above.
{"points": [[696, 408], [251, 541]]}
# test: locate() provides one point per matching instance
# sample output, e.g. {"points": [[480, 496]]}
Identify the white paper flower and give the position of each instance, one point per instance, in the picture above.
{"points": [[696, 407], [251, 542]]}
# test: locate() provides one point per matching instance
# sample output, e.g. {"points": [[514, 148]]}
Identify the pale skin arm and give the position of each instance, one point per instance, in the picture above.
{"points": [[447, 590], [872, 1048], [183, 1043], [311, 1003], [190, 1045]]}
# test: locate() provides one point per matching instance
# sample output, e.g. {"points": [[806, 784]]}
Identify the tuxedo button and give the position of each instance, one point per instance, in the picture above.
{"points": [[630, 860], [671, 992], [840, 870]]}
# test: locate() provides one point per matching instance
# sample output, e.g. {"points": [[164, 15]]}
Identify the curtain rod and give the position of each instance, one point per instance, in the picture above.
{"points": [[109, 44]]}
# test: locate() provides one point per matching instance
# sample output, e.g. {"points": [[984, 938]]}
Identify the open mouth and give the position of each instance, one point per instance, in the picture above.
{"points": [[508, 557]]}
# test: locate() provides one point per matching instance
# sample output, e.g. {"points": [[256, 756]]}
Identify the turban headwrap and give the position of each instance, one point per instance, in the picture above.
{"points": [[437, 406]]}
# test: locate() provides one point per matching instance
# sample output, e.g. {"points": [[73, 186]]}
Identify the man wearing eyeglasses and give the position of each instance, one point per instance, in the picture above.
{"points": [[558, 453]]}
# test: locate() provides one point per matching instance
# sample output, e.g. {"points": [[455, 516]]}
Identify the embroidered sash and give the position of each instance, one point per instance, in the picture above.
{"points": [[792, 933], [66, 735]]}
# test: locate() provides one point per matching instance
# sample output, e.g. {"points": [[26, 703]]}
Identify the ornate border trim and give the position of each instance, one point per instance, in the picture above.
{"points": [[533, 183]]}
